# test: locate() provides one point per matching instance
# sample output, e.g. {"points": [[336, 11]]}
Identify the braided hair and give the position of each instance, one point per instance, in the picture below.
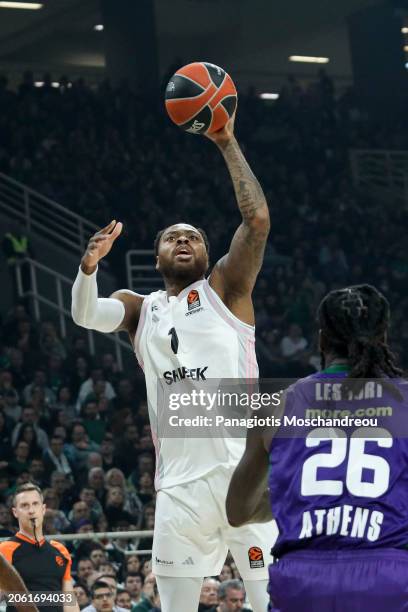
{"points": [[354, 322]]}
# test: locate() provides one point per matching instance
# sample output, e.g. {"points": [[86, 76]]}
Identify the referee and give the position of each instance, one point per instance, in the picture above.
{"points": [[44, 566]]}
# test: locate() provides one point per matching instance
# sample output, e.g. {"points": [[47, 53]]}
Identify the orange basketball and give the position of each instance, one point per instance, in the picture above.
{"points": [[200, 98]]}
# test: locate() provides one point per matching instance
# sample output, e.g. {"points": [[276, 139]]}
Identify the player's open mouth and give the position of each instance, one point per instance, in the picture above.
{"points": [[183, 254]]}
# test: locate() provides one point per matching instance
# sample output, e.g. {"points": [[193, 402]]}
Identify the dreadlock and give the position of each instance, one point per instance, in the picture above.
{"points": [[199, 230], [354, 322]]}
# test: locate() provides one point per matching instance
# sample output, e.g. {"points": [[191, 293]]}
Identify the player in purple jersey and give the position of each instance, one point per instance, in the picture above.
{"points": [[339, 495]]}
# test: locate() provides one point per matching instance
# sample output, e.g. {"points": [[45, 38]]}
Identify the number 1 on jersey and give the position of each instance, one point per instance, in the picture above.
{"points": [[174, 340]]}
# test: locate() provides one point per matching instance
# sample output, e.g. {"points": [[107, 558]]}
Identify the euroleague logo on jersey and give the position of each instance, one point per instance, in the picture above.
{"points": [[193, 299], [59, 560], [255, 556], [193, 302]]}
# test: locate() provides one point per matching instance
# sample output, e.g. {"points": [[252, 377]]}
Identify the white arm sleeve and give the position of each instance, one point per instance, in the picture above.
{"points": [[102, 314]]}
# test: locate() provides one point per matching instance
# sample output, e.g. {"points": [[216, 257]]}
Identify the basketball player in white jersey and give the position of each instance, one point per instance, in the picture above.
{"points": [[197, 329]]}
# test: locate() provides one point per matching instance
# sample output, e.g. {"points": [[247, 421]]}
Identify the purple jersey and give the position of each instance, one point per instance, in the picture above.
{"points": [[341, 487], [340, 581]]}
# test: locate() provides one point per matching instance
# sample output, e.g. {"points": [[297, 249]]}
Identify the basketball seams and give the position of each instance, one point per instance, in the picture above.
{"points": [[222, 102], [208, 72], [199, 67], [184, 76], [200, 109], [220, 106], [218, 89]]}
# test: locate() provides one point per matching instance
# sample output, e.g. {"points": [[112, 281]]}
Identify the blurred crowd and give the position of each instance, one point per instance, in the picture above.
{"points": [[107, 153], [79, 427]]}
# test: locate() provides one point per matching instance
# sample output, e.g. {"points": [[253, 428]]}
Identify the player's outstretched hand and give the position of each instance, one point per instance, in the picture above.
{"points": [[225, 135], [100, 244]]}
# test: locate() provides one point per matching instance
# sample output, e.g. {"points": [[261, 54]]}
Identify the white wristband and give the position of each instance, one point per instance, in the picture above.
{"points": [[91, 312]]}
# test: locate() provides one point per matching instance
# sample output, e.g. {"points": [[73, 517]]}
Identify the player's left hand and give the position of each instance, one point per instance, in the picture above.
{"points": [[225, 135]]}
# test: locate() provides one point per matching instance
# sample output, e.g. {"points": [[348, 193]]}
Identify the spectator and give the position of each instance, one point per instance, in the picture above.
{"points": [[107, 569], [29, 417], [39, 382], [102, 598], [132, 564], [82, 595], [5, 447], [55, 458], [209, 594], [226, 573], [134, 584], [87, 495], [97, 556], [111, 584], [146, 488], [96, 481], [21, 458], [50, 344], [127, 448], [294, 342], [65, 402], [231, 595], [27, 433], [17, 368], [146, 568], [85, 568], [80, 447], [150, 596], [62, 485], [107, 449], [123, 599], [6, 522], [94, 460], [52, 502], [133, 504], [110, 369], [37, 471], [10, 396], [115, 502], [88, 387], [91, 419]]}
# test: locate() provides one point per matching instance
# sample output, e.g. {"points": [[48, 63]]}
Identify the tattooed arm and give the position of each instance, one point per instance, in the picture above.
{"points": [[234, 276]]}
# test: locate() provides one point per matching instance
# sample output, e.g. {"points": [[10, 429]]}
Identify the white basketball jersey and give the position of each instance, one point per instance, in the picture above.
{"points": [[193, 337]]}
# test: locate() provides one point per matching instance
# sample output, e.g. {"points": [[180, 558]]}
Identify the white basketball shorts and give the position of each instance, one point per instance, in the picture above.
{"points": [[192, 535]]}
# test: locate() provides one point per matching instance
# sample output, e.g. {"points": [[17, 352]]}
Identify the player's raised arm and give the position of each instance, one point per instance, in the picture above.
{"points": [[235, 274], [121, 310]]}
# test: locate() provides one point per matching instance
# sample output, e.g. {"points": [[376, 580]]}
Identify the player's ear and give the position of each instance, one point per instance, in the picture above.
{"points": [[14, 511], [157, 264]]}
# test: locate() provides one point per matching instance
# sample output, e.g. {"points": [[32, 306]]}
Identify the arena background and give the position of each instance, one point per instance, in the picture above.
{"points": [[84, 138]]}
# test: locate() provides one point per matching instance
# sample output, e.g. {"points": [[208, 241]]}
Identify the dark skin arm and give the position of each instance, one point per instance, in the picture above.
{"points": [[247, 498], [234, 275], [11, 582]]}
